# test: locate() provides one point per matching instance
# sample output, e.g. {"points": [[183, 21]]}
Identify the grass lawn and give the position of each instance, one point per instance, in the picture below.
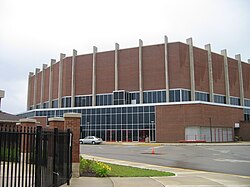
{"points": [[127, 171]]}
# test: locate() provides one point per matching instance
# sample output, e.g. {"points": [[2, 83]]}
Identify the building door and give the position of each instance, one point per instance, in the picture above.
{"points": [[143, 134], [124, 135]]}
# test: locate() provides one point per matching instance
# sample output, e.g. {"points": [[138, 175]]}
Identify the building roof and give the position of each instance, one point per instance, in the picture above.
{"points": [[6, 117]]}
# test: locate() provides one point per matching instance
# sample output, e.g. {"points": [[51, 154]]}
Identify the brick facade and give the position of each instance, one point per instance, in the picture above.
{"points": [[172, 120]]}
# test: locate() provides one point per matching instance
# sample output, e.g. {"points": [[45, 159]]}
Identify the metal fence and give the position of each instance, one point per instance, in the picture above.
{"points": [[32, 156]]}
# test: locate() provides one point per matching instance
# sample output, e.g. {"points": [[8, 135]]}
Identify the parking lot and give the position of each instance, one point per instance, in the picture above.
{"points": [[231, 159]]}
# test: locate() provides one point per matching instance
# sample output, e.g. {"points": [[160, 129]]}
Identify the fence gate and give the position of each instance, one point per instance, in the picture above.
{"points": [[32, 156]]}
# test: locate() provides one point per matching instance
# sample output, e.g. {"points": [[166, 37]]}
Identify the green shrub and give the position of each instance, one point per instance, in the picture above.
{"points": [[101, 169], [12, 154], [93, 168]]}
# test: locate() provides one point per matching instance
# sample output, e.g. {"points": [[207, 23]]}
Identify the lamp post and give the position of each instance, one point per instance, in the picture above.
{"points": [[88, 128], [210, 130], [152, 122]]}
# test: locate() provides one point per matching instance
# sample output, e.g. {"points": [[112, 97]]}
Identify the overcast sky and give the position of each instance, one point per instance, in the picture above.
{"points": [[34, 31]]}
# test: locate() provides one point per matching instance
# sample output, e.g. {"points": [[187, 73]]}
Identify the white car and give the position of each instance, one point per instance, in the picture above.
{"points": [[90, 140]]}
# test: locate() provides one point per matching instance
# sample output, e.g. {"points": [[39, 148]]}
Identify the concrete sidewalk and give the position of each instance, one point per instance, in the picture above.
{"points": [[184, 177]]}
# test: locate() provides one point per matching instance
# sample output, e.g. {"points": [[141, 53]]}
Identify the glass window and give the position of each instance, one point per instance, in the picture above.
{"points": [[219, 99], [235, 101], [155, 98], [164, 96], [145, 95], [247, 102], [135, 119], [171, 95]]}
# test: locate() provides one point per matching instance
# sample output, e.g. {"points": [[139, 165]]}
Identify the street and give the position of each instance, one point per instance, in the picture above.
{"points": [[222, 159]]}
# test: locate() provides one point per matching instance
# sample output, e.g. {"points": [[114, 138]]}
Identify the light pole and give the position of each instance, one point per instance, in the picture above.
{"points": [[210, 130], [88, 127], [152, 122]]}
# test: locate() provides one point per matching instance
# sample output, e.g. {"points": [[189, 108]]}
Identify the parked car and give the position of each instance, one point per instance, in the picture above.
{"points": [[90, 140]]}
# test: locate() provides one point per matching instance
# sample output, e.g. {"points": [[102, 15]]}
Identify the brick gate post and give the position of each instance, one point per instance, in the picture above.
{"points": [[72, 121]]}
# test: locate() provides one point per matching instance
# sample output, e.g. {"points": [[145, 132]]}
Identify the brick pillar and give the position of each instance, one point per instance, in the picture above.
{"points": [[72, 122], [56, 123], [42, 120]]}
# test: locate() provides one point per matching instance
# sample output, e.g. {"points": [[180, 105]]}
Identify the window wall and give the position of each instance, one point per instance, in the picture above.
{"points": [[202, 96], [103, 99], [247, 102], [235, 101], [55, 103], [119, 123], [154, 96], [219, 99], [83, 101], [66, 102], [134, 123], [247, 114]]}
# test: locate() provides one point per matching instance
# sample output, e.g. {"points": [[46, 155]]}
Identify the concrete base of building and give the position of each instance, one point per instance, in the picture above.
{"points": [[75, 170]]}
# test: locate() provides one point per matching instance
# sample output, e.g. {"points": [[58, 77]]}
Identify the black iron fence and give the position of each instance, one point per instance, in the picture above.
{"points": [[32, 156]]}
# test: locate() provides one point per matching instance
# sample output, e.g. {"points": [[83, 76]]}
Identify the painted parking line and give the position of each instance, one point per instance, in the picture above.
{"points": [[232, 160]]}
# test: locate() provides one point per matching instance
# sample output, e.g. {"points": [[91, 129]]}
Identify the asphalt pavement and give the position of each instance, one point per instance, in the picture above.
{"points": [[230, 158], [184, 177]]}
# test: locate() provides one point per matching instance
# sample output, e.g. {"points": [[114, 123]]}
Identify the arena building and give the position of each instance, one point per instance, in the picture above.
{"points": [[167, 92]]}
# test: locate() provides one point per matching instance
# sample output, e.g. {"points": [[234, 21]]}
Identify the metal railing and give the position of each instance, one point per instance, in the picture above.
{"points": [[32, 156]]}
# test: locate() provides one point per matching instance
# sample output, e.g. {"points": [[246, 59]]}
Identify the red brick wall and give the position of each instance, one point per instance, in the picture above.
{"points": [[233, 74], [178, 55], [66, 76], [171, 120], [153, 65], [129, 69], [42, 120], [218, 74], [55, 81], [38, 87], [244, 130], [56, 124], [201, 70], [83, 74], [46, 85], [246, 79], [105, 74]]}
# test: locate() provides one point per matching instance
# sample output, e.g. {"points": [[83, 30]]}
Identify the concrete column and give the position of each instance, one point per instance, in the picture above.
{"points": [[2, 93], [166, 68], [224, 53], [42, 85], [29, 90], [52, 62], [248, 61], [35, 87], [94, 77], [73, 78], [116, 66], [62, 56], [191, 63], [210, 72], [72, 122], [140, 71], [238, 58]]}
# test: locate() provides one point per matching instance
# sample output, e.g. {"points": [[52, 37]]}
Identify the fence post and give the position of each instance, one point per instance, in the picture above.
{"points": [[55, 158], [38, 156], [69, 156]]}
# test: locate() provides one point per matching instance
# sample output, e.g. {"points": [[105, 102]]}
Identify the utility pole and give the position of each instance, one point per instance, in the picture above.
{"points": [[210, 129]]}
